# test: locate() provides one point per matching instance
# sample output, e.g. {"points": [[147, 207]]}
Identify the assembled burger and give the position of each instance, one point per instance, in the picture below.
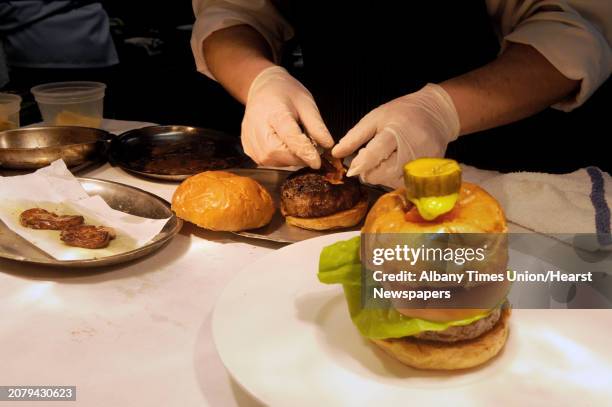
{"points": [[435, 201]]}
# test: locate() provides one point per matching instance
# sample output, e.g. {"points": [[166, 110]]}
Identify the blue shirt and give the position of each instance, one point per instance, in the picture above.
{"points": [[56, 34]]}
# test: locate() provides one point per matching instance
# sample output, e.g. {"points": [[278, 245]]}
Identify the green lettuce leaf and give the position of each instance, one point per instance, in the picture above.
{"points": [[339, 263]]}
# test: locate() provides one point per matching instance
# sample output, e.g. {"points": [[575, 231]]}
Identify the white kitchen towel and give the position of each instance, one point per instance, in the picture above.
{"points": [[558, 204]]}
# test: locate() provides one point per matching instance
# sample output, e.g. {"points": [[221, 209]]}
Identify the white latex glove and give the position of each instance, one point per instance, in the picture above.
{"points": [[281, 122], [420, 124]]}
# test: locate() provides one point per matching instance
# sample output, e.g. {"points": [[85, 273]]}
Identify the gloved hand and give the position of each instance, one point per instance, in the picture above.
{"points": [[278, 107], [420, 124]]}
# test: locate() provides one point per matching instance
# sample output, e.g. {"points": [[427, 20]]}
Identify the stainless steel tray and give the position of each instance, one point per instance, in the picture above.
{"points": [[278, 230], [118, 196]]}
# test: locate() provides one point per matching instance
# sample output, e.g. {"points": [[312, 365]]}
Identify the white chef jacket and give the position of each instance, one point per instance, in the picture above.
{"points": [[575, 36]]}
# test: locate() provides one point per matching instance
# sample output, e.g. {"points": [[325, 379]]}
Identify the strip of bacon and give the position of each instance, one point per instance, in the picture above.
{"points": [[333, 168]]}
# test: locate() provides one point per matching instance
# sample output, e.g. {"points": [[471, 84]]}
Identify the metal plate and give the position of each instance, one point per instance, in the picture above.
{"points": [[118, 196], [278, 230], [164, 152], [31, 148]]}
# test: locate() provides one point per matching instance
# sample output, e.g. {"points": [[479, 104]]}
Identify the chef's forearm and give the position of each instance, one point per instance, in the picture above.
{"points": [[518, 84], [235, 56]]}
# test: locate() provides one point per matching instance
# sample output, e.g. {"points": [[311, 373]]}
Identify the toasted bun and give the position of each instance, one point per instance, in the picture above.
{"points": [[475, 212], [342, 219], [219, 200], [423, 354]]}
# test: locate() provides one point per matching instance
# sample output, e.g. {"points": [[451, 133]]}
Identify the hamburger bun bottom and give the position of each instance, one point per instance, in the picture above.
{"points": [[430, 355], [343, 219]]}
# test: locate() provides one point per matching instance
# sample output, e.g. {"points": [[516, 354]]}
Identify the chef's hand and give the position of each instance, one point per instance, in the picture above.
{"points": [[420, 124], [281, 122]]}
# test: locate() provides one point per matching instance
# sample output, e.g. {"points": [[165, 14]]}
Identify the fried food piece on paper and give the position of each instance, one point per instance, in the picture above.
{"points": [[88, 236], [38, 218]]}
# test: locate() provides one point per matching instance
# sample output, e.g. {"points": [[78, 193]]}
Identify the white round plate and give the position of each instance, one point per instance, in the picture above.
{"points": [[288, 340]]}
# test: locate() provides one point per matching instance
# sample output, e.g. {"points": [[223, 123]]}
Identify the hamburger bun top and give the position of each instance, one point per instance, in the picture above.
{"points": [[219, 200], [475, 212]]}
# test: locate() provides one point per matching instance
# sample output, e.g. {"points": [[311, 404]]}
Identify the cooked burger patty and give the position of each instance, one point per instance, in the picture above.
{"points": [[88, 236], [307, 194], [461, 333], [38, 218]]}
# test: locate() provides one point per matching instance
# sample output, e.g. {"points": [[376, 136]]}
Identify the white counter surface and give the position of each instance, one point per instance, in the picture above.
{"points": [[136, 334]]}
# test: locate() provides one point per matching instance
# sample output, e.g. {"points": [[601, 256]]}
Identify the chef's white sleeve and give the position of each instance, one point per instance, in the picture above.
{"points": [[575, 36], [214, 15]]}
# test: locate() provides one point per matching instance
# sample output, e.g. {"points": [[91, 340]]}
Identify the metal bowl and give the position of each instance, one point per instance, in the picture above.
{"points": [[173, 153], [37, 147]]}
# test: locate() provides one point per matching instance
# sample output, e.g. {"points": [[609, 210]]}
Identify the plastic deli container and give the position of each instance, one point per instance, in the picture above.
{"points": [[70, 103], [10, 105]]}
